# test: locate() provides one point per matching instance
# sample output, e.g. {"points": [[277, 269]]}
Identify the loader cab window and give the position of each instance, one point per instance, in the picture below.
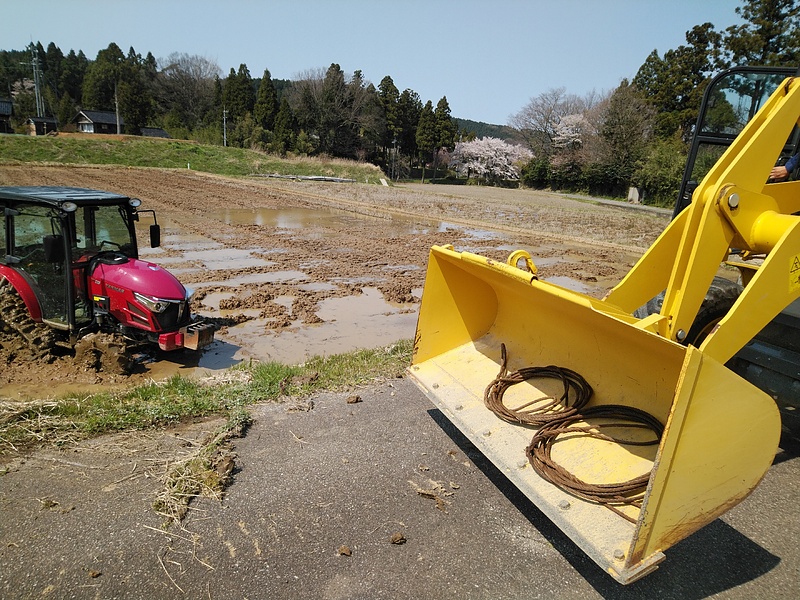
{"points": [[730, 104], [731, 100], [734, 101]]}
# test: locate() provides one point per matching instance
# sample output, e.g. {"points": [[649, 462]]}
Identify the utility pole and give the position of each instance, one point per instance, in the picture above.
{"points": [[224, 127], [37, 80], [116, 106], [394, 159]]}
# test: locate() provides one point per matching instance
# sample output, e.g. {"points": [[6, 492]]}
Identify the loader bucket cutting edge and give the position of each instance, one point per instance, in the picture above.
{"points": [[720, 434]]}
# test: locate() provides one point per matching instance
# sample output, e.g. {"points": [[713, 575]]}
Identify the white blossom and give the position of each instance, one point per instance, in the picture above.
{"points": [[570, 132], [489, 158]]}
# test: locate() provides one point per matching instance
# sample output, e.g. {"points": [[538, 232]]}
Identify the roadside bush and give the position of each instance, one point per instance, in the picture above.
{"points": [[606, 179], [661, 172], [536, 174], [567, 176]]}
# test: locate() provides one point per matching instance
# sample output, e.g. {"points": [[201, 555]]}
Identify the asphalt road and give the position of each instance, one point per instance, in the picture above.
{"points": [[319, 501]]}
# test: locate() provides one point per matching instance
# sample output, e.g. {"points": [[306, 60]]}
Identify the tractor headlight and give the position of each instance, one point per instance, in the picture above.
{"points": [[154, 304]]}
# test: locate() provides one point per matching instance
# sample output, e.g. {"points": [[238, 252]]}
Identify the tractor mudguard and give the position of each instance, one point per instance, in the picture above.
{"points": [[22, 285]]}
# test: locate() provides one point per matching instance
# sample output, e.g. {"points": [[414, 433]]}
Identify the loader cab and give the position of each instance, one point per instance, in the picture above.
{"points": [[770, 360], [53, 237], [730, 101]]}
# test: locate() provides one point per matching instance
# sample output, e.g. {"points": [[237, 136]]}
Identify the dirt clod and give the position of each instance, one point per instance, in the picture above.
{"points": [[397, 538]]}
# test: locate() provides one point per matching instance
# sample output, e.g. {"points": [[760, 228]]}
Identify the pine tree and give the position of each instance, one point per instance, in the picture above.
{"points": [[284, 129], [134, 93], [389, 97], [446, 128], [66, 110], [426, 134], [266, 105], [410, 109], [770, 35], [238, 94], [73, 71], [101, 79], [674, 85]]}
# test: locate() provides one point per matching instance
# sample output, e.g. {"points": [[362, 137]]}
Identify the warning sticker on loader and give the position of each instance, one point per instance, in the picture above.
{"points": [[794, 274]]}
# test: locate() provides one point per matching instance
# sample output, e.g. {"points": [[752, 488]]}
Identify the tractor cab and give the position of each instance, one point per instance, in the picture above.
{"points": [[71, 254], [56, 237]]}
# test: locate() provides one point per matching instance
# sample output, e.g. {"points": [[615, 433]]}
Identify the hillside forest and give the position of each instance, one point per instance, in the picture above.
{"points": [[600, 143]]}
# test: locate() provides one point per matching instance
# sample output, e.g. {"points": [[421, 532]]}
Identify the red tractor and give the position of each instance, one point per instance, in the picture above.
{"points": [[69, 266]]}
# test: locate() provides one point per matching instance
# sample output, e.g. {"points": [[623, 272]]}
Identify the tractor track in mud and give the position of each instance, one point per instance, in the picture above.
{"points": [[374, 240]]}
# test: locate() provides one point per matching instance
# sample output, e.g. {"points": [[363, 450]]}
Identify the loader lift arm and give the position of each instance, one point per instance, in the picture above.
{"points": [[733, 207]]}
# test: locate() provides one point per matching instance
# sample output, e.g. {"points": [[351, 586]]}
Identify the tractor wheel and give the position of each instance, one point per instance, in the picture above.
{"points": [[719, 299], [17, 325], [104, 352]]}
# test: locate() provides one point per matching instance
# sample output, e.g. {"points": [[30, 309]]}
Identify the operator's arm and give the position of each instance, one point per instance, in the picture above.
{"points": [[782, 172], [791, 164]]}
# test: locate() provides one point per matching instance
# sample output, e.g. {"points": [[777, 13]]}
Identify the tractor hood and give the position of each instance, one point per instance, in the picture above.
{"points": [[139, 276]]}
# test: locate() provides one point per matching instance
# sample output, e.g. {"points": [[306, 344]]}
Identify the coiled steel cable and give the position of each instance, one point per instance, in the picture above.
{"points": [[558, 416], [539, 411], [629, 492]]}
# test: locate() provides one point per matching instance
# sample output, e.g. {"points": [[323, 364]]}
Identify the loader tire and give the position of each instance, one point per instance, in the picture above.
{"points": [[17, 325], [721, 296]]}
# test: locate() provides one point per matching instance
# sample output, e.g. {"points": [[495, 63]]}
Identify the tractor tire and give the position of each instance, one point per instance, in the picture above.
{"points": [[104, 352], [721, 296], [17, 326]]}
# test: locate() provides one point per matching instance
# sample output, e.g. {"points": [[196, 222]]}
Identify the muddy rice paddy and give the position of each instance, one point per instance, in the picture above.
{"points": [[296, 269]]}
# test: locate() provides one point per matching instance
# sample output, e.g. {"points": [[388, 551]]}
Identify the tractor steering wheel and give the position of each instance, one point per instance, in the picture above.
{"points": [[110, 243]]}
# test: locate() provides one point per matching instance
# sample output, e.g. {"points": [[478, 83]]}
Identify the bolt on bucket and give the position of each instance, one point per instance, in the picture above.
{"points": [[684, 438]]}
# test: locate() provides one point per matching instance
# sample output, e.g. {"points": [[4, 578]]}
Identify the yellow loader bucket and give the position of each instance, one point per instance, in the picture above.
{"points": [[719, 436]]}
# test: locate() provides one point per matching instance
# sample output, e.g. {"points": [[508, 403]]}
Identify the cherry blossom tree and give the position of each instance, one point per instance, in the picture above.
{"points": [[571, 132], [489, 158]]}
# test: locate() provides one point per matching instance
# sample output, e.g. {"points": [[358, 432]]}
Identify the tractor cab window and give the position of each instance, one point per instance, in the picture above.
{"points": [[101, 228], [34, 229], [3, 248]]}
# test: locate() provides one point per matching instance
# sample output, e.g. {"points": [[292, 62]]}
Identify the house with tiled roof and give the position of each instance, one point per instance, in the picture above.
{"points": [[98, 121]]}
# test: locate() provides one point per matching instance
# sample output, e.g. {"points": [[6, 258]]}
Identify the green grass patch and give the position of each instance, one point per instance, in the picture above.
{"points": [[65, 420], [134, 151]]}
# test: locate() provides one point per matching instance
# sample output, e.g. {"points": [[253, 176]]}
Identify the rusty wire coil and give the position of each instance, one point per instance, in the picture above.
{"points": [[539, 411], [629, 492]]}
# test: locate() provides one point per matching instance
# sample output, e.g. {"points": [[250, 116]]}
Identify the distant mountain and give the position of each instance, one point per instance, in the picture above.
{"points": [[482, 130]]}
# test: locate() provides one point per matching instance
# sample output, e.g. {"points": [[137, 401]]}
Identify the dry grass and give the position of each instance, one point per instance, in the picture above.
{"points": [[206, 471]]}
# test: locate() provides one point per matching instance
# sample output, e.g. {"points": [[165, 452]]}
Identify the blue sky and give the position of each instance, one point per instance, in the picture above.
{"points": [[488, 57]]}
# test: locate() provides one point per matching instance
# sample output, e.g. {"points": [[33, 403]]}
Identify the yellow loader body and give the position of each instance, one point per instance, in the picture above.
{"points": [[720, 432]]}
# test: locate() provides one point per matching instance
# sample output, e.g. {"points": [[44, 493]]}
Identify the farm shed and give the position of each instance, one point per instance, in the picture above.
{"points": [[41, 125], [6, 108]]}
